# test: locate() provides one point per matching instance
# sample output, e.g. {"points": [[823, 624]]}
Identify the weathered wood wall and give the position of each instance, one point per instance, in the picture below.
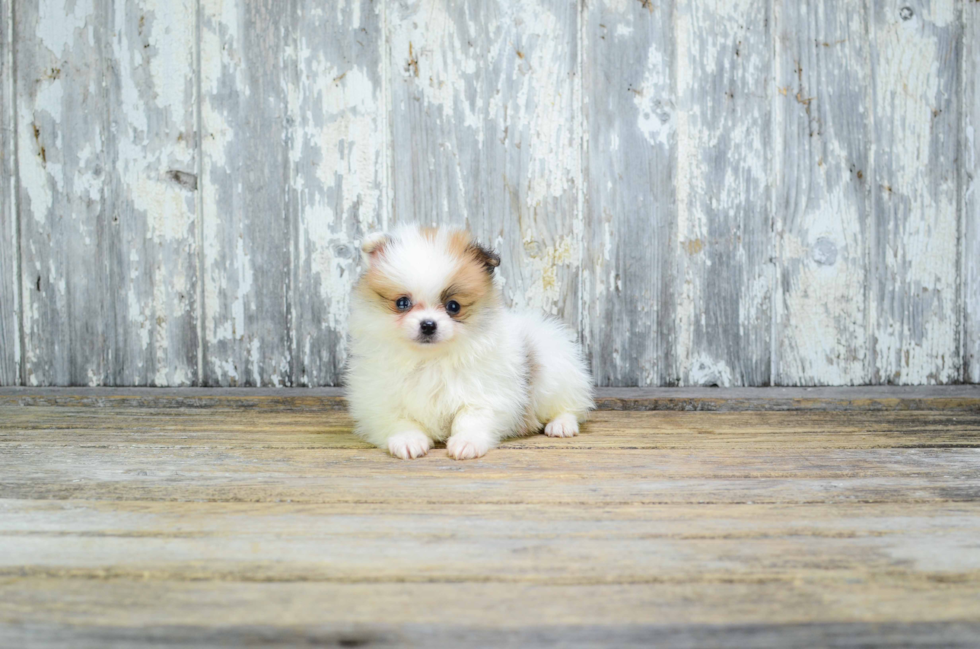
{"points": [[731, 192]]}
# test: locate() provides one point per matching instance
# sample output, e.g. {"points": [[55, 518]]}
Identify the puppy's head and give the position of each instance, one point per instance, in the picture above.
{"points": [[428, 286]]}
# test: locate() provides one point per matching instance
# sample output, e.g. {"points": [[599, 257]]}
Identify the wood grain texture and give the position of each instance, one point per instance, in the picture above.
{"points": [[531, 152], [723, 272], [140, 526], [275, 428], [484, 615], [337, 159], [628, 318], [708, 193], [435, 56], [485, 133], [245, 178], [10, 314], [64, 219], [620, 458], [151, 193], [957, 398], [822, 175], [914, 245], [970, 190]]}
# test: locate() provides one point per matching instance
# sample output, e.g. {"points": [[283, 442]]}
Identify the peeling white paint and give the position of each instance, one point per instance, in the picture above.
{"points": [[654, 101], [914, 323], [59, 21], [493, 96]]}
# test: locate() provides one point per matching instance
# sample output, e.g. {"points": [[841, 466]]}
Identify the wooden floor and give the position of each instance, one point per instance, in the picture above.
{"points": [[134, 518]]}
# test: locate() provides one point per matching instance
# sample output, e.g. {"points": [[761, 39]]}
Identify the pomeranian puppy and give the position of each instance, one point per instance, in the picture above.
{"points": [[435, 356]]}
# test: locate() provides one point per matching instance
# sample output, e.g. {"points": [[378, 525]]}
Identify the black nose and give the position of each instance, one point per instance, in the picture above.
{"points": [[428, 327]]}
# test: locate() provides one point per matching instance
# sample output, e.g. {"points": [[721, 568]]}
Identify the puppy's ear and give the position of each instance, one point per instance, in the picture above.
{"points": [[487, 257], [373, 247]]}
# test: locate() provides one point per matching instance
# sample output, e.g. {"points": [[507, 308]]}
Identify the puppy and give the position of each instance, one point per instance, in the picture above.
{"points": [[435, 356]]}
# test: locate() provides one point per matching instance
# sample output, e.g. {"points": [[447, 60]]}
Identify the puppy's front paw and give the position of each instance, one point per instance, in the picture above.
{"points": [[564, 425], [467, 446], [409, 445]]}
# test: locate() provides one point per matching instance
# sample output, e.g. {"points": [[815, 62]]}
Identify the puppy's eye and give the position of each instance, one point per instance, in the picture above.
{"points": [[403, 303], [452, 307]]}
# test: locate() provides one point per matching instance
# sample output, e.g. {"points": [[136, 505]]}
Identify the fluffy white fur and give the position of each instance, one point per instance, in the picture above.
{"points": [[496, 375]]}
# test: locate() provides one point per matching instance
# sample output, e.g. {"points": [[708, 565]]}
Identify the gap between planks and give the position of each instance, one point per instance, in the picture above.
{"points": [[950, 398]]}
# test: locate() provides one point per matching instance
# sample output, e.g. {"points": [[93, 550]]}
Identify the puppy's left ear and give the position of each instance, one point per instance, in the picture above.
{"points": [[373, 247], [485, 256]]}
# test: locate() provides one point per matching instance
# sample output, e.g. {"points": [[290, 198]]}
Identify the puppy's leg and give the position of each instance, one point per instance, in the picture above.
{"points": [[564, 425], [561, 388], [409, 444], [473, 434]]}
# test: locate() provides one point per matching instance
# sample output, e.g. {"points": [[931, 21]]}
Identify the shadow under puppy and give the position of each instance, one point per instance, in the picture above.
{"points": [[435, 355]]}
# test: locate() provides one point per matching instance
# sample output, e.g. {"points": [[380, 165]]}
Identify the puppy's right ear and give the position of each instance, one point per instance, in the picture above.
{"points": [[373, 247]]}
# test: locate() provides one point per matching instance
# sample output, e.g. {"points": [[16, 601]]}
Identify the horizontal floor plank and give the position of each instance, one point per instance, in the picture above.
{"points": [[600, 476], [559, 545], [944, 397], [64, 426], [267, 525], [722, 636], [285, 606]]}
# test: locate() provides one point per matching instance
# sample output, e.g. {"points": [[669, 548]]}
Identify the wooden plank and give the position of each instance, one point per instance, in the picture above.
{"points": [[531, 151], [337, 156], [822, 172], [583, 476], [436, 94], [970, 190], [505, 544], [723, 276], [138, 526], [487, 615], [485, 134], [915, 58], [951, 398], [61, 156], [245, 176], [628, 295], [224, 428], [724, 636], [151, 193], [10, 351]]}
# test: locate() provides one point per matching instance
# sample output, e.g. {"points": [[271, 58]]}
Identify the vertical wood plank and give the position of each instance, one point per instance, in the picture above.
{"points": [[9, 262], [61, 112], [484, 128], [723, 272], [821, 173], [531, 151], [152, 193], [915, 56], [246, 234], [337, 161], [970, 188], [435, 63], [628, 314]]}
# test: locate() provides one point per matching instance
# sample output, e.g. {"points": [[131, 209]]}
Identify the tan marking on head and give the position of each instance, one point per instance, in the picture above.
{"points": [[429, 234], [471, 285], [380, 288], [459, 241]]}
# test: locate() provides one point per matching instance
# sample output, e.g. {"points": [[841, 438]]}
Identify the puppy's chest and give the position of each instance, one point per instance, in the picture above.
{"points": [[433, 395]]}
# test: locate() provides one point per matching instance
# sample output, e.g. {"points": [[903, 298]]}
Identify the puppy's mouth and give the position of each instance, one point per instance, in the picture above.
{"points": [[426, 339]]}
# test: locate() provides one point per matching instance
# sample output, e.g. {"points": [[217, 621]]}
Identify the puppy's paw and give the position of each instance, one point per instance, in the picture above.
{"points": [[564, 425], [466, 446], [409, 445]]}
